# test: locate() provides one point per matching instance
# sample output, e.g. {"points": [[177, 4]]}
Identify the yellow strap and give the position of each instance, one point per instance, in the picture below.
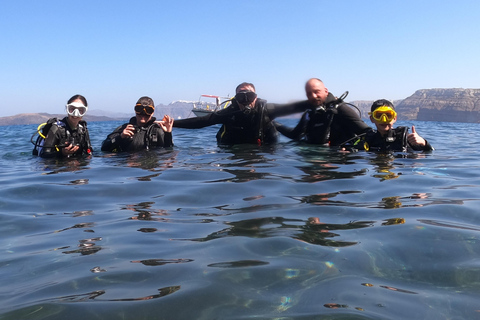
{"points": [[224, 131], [40, 126]]}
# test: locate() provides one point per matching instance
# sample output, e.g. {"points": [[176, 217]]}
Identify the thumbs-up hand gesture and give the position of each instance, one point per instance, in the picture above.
{"points": [[414, 139]]}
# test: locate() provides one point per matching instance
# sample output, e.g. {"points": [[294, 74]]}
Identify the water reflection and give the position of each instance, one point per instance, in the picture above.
{"points": [[144, 211], [77, 226], [86, 247], [415, 200], [383, 165], [326, 171], [245, 163], [98, 293], [161, 262], [313, 231], [81, 213], [320, 233], [76, 182], [155, 161], [392, 221], [269, 260], [449, 224], [97, 270], [324, 199], [238, 264], [392, 202], [323, 163], [55, 166]]}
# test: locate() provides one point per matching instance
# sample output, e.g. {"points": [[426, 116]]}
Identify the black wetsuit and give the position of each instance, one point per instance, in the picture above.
{"points": [[252, 126], [394, 140], [61, 135], [326, 124], [149, 136]]}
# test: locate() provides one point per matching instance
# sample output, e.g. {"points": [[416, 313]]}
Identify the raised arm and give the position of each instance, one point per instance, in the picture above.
{"points": [[197, 122], [279, 110]]}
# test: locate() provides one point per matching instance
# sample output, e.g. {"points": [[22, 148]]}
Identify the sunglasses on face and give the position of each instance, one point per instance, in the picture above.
{"points": [[76, 109], [141, 109], [383, 114], [245, 97]]}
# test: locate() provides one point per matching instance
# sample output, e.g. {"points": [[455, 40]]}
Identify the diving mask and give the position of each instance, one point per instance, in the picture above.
{"points": [[245, 97], [383, 114], [141, 109], [76, 109]]}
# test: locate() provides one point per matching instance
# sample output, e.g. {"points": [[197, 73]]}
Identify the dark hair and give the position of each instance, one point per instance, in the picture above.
{"points": [[146, 101], [79, 97], [381, 103], [245, 84]]}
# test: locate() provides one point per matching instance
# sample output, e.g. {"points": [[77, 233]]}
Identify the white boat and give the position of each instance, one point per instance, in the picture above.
{"points": [[208, 104]]}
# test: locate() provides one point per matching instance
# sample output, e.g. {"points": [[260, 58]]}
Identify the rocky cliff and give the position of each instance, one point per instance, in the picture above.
{"points": [[453, 105]]}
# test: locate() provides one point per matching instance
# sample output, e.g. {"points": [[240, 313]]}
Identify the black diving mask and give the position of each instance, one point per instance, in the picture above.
{"points": [[144, 110], [245, 97]]}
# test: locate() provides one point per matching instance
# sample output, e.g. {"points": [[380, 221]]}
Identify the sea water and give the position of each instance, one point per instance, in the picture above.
{"points": [[290, 231]]}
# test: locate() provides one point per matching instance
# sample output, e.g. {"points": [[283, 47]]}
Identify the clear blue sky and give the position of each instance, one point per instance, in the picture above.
{"points": [[113, 52]]}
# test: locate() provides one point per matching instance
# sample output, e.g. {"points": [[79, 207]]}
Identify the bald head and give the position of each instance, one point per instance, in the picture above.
{"points": [[316, 92]]}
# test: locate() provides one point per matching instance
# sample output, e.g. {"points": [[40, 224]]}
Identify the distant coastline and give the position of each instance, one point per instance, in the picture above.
{"points": [[446, 105], [38, 118]]}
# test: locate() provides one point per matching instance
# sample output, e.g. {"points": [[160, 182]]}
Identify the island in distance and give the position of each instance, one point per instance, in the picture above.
{"points": [[449, 105]]}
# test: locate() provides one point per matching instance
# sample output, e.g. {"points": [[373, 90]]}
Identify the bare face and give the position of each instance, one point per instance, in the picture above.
{"points": [[316, 92]]}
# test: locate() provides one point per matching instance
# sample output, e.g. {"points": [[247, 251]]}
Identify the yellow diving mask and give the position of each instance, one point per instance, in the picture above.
{"points": [[383, 114]]}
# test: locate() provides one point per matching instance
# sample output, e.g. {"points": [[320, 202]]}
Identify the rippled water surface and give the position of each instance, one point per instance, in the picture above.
{"points": [[201, 232]]}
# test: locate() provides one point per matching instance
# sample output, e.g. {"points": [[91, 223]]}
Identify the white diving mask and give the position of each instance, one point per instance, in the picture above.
{"points": [[76, 109]]}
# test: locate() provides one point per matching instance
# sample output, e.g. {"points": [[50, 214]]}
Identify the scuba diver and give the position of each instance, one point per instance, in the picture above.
{"points": [[328, 120], [142, 131], [67, 137], [387, 138], [248, 120]]}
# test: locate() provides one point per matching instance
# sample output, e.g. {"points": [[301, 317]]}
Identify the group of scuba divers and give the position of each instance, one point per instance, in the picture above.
{"points": [[326, 120]]}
